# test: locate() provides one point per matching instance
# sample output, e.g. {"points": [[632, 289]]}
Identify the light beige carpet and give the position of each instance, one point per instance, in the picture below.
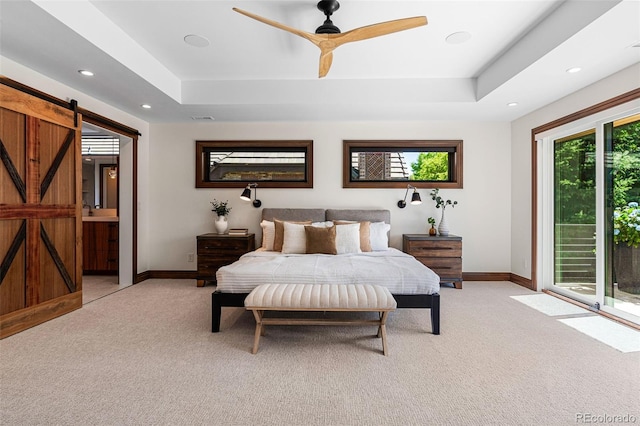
{"points": [[145, 356]]}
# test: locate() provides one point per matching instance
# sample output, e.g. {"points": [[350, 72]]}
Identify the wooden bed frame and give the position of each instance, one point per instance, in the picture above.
{"points": [[413, 301]]}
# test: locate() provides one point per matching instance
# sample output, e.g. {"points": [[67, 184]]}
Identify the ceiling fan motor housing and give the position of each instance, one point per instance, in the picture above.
{"points": [[328, 7]]}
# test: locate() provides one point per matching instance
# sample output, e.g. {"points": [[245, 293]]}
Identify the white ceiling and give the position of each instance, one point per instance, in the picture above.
{"points": [[519, 51]]}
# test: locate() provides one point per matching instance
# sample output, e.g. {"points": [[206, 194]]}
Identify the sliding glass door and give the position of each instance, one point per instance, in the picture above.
{"points": [[589, 219]]}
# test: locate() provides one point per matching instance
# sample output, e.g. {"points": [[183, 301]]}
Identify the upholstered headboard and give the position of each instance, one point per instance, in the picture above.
{"points": [[359, 214], [314, 215], [319, 215]]}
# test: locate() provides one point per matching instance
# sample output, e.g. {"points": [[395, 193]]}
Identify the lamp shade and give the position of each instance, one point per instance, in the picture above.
{"points": [[415, 198], [246, 194]]}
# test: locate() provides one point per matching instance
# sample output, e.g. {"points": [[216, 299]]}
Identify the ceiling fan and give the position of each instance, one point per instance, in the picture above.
{"points": [[328, 37]]}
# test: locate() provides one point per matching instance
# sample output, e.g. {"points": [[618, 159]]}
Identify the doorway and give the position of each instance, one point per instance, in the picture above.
{"points": [[103, 222], [588, 205]]}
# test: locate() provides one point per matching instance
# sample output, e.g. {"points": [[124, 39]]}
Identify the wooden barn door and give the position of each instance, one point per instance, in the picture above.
{"points": [[40, 211]]}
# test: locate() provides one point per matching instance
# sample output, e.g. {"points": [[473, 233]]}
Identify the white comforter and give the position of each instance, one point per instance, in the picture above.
{"points": [[399, 272]]}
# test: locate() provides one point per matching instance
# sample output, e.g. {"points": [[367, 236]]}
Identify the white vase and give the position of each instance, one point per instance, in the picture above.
{"points": [[221, 224], [443, 228]]}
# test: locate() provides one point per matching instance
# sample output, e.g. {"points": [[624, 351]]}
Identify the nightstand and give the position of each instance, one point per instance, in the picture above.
{"points": [[216, 250], [441, 254]]}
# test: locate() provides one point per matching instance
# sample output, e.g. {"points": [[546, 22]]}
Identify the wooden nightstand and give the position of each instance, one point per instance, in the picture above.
{"points": [[441, 254], [216, 250]]}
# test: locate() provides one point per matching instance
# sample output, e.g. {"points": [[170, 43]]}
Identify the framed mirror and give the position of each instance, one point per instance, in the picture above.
{"points": [[394, 164], [271, 164]]}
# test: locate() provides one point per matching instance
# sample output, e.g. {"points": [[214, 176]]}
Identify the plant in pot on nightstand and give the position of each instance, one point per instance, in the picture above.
{"points": [[222, 210], [443, 229], [626, 251], [432, 230]]}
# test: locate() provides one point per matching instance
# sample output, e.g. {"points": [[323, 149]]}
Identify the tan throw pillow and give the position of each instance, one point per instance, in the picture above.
{"points": [[321, 240], [278, 239], [365, 241]]}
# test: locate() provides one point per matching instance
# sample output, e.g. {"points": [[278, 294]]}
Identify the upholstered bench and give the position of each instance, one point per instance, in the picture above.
{"points": [[323, 298]]}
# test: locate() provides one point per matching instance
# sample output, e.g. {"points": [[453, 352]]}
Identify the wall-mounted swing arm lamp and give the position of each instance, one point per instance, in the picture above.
{"points": [[246, 195], [415, 197]]}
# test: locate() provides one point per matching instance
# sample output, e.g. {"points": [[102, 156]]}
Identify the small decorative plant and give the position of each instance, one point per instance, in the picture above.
{"points": [[220, 207], [432, 222], [440, 202], [626, 225]]}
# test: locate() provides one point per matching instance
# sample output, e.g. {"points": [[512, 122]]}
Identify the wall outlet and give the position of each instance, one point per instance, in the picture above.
{"points": [[190, 257]]}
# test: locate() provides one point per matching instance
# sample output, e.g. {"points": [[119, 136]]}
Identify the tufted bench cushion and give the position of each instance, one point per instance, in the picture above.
{"points": [[327, 298], [353, 297]]}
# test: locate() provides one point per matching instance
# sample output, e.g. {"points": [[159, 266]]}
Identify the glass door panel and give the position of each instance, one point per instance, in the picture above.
{"points": [[622, 196], [574, 215]]}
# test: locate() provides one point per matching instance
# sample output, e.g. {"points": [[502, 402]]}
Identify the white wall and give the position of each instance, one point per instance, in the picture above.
{"points": [[614, 85], [44, 84], [178, 212]]}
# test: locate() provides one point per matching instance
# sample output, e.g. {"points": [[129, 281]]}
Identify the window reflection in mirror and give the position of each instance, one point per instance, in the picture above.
{"points": [[284, 164], [392, 164]]}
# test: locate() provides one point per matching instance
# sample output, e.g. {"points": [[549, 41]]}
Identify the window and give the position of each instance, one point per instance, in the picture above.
{"points": [[272, 164], [393, 164]]}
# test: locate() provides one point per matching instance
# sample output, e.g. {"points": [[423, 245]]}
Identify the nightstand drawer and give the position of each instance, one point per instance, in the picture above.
{"points": [[223, 246], [445, 267], [435, 248]]}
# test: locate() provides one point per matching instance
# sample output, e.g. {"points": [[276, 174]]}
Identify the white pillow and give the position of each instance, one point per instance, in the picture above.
{"points": [[268, 234], [348, 238], [378, 236], [295, 239], [326, 224]]}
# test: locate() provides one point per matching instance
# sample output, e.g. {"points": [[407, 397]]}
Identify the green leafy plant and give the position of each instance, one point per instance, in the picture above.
{"points": [[626, 224], [431, 221], [220, 207], [440, 202]]}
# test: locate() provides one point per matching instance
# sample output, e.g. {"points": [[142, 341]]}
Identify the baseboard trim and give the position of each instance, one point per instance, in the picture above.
{"points": [[486, 276], [524, 282], [176, 275]]}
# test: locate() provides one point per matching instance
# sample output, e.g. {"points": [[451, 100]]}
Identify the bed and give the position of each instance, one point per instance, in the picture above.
{"points": [[412, 284]]}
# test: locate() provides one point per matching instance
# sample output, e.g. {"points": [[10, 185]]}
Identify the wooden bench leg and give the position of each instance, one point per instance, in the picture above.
{"points": [[383, 332], [259, 330]]}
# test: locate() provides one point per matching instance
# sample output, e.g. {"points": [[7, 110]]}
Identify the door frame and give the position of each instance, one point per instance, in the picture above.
{"points": [[593, 117]]}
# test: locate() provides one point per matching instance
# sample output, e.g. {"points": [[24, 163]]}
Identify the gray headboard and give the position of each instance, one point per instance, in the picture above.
{"points": [[359, 214], [314, 215], [319, 215]]}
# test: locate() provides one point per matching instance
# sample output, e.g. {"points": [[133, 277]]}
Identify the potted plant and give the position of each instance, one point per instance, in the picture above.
{"points": [[432, 222], [443, 229], [626, 251], [222, 209]]}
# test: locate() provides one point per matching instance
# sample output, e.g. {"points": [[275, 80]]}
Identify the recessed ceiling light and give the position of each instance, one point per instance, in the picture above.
{"points": [[574, 70], [146, 106], [512, 104], [458, 38], [196, 40], [86, 72], [202, 118]]}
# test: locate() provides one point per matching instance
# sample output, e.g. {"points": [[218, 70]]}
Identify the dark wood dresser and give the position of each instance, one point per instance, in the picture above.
{"points": [[216, 250], [441, 254]]}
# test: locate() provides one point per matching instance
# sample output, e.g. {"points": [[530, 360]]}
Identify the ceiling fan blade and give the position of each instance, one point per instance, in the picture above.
{"points": [[377, 30], [326, 58], [309, 36]]}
